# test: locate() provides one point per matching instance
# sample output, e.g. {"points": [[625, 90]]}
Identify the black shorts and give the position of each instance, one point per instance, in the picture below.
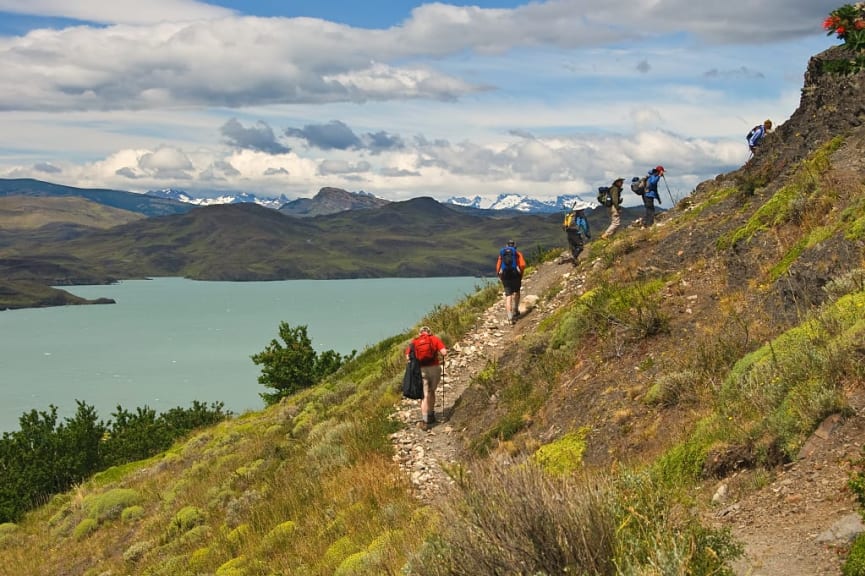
{"points": [[511, 282]]}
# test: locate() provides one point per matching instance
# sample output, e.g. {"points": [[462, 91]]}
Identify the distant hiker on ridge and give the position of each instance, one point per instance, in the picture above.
{"points": [[428, 348], [576, 226], [756, 135], [651, 195], [509, 268], [615, 207]]}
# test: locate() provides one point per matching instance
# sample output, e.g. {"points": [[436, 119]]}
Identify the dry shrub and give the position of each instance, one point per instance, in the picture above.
{"points": [[673, 388], [518, 520]]}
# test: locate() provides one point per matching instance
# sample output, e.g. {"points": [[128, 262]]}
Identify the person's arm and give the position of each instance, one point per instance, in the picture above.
{"points": [[441, 349], [499, 265], [521, 262]]}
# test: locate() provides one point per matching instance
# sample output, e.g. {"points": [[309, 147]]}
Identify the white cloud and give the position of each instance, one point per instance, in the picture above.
{"points": [[117, 11], [549, 98]]}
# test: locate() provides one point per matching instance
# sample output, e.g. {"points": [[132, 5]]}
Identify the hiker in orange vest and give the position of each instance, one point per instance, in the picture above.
{"points": [[509, 268], [428, 349]]}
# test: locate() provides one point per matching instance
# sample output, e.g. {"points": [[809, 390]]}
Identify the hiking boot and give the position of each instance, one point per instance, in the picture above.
{"points": [[423, 426]]}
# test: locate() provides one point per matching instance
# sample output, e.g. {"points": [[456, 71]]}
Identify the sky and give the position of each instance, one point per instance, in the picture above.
{"points": [[395, 98]]}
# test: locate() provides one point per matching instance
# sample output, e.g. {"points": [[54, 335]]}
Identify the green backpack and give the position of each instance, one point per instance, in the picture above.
{"points": [[604, 196]]}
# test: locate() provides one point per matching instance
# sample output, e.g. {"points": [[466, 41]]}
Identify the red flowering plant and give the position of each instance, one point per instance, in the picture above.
{"points": [[847, 23]]}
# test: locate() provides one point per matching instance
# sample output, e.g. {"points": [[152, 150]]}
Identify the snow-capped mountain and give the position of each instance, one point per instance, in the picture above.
{"points": [[235, 198], [517, 202]]}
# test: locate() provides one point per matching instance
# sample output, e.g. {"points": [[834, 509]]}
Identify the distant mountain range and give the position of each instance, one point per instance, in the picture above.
{"points": [[331, 200], [517, 202], [235, 198], [55, 235]]}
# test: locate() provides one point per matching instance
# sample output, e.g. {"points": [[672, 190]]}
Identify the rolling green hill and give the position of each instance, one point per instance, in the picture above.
{"points": [[138, 203], [19, 213]]}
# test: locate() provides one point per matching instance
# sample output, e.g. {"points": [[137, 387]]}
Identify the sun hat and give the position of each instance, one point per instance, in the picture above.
{"points": [[425, 330]]}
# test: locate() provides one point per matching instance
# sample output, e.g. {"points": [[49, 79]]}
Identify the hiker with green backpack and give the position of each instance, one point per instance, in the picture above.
{"points": [[509, 268], [615, 205]]}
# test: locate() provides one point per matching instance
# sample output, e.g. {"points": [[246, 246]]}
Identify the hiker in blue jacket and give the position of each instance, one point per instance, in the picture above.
{"points": [[651, 195], [757, 133]]}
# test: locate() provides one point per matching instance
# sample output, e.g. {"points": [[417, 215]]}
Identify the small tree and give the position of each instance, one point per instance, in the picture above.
{"points": [[294, 365]]}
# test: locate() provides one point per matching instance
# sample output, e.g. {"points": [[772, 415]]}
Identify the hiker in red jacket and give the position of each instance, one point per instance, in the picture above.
{"points": [[428, 349]]}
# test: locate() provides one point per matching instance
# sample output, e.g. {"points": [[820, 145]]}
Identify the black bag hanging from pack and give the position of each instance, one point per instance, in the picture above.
{"points": [[412, 380]]}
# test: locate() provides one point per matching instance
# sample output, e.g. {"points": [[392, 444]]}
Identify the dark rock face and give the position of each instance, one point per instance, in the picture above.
{"points": [[331, 201], [830, 105]]}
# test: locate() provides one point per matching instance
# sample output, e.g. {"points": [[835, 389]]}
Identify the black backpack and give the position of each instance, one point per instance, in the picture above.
{"points": [[752, 132], [638, 185], [604, 196]]}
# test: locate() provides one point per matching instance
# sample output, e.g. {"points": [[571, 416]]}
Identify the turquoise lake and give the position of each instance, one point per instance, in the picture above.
{"points": [[169, 341]]}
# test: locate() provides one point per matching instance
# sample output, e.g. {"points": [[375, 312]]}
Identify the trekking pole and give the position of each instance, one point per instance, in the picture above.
{"points": [[443, 387], [672, 202]]}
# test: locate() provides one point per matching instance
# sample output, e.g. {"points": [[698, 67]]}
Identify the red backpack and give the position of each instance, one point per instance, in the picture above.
{"points": [[424, 348]]}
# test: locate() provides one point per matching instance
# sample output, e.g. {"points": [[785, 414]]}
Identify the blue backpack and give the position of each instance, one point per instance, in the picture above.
{"points": [[509, 260]]}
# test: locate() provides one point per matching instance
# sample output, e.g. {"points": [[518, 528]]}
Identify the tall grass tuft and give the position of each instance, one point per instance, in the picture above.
{"points": [[517, 519]]}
